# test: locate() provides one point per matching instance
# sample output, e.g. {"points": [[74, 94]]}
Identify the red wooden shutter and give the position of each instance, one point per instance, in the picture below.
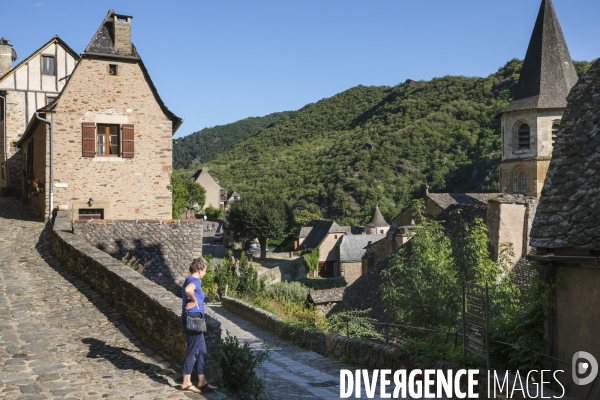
{"points": [[128, 137], [88, 139]]}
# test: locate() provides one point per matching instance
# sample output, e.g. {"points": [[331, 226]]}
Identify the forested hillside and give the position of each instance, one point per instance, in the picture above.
{"points": [[205, 145], [367, 145]]}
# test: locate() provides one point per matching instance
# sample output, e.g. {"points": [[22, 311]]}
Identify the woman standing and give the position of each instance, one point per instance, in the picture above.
{"points": [[193, 305]]}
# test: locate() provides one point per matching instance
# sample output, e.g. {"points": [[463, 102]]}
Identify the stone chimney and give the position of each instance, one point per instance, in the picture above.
{"points": [[122, 34], [7, 56]]}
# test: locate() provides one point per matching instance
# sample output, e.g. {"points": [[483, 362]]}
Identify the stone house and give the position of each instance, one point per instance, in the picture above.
{"points": [[530, 123], [324, 235], [566, 234], [350, 250], [33, 83], [103, 148], [216, 196]]}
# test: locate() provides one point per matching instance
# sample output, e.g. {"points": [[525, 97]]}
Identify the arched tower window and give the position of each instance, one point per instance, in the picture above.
{"points": [[523, 183], [523, 137], [555, 128]]}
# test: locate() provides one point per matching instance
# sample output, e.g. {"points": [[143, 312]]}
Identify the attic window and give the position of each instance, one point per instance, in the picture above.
{"points": [[50, 99], [523, 137], [112, 69], [48, 65]]}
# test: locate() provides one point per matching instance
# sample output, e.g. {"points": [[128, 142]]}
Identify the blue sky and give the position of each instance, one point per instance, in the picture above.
{"points": [[216, 62]]}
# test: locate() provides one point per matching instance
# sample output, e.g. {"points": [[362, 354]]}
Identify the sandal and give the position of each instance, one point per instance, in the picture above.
{"points": [[208, 388], [191, 388]]}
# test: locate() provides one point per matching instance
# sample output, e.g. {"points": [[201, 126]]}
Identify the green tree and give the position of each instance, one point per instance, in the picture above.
{"points": [[185, 193], [248, 279], [259, 216]]}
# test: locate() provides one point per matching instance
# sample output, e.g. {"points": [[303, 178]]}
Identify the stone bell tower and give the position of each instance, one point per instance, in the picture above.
{"points": [[7, 56], [530, 123]]}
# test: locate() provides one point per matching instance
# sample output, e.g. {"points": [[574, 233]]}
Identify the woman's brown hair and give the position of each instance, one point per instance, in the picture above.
{"points": [[198, 264]]}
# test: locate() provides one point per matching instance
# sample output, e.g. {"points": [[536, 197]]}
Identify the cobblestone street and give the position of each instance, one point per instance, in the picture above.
{"points": [[58, 338]]}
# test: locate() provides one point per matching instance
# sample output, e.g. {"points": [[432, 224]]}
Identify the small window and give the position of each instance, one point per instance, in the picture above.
{"points": [[113, 69], [108, 140], [523, 183], [50, 99], [555, 128], [523, 137], [381, 231], [48, 65], [335, 236], [89, 213]]}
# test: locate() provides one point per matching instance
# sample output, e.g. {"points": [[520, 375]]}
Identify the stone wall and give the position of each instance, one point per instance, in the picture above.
{"points": [[351, 271], [306, 338], [144, 304], [165, 248], [287, 271]]}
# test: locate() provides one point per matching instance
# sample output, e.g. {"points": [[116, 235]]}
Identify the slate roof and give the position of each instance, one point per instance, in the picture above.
{"points": [[548, 73], [352, 248], [377, 220], [320, 230], [568, 214], [445, 200], [304, 231], [326, 296]]}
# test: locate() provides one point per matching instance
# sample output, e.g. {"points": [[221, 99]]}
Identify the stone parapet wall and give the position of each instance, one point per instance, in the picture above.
{"points": [[144, 304], [306, 338], [165, 247]]}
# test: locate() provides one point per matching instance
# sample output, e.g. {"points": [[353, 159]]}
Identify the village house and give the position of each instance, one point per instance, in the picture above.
{"points": [[103, 148], [324, 235], [350, 250], [216, 196], [566, 233], [34, 83]]}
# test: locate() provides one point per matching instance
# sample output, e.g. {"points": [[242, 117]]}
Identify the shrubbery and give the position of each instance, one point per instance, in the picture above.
{"points": [[238, 363], [292, 291]]}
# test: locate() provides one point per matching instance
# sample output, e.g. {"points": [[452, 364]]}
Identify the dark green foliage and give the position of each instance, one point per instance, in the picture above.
{"points": [[248, 279], [238, 363], [582, 67], [354, 324], [226, 275], [186, 193], [261, 216], [214, 212], [205, 145], [312, 260], [343, 155], [323, 283]]}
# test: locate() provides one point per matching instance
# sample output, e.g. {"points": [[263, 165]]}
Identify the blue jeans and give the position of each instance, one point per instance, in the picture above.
{"points": [[195, 354]]}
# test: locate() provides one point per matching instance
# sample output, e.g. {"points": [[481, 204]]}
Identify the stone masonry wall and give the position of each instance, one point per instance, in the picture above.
{"points": [[126, 188], [165, 248], [143, 303]]}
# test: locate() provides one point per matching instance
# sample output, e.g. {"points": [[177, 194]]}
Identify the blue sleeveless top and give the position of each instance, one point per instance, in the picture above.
{"points": [[198, 293]]}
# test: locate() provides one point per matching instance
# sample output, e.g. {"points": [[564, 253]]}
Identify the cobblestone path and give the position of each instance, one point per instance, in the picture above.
{"points": [[290, 372], [59, 338]]}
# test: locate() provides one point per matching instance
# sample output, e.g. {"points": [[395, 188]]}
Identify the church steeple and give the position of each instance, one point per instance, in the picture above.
{"points": [[548, 73], [531, 123]]}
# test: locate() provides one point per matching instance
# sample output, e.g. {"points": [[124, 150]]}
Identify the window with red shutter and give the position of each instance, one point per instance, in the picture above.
{"points": [[88, 136], [128, 139]]}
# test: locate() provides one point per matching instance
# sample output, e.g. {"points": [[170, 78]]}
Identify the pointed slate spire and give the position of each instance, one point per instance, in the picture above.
{"points": [[548, 72], [377, 221]]}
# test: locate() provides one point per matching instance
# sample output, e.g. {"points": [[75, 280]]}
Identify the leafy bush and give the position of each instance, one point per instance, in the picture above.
{"points": [[248, 278], [353, 324], [323, 283], [209, 286], [312, 260], [214, 212], [292, 291], [226, 274], [238, 363]]}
